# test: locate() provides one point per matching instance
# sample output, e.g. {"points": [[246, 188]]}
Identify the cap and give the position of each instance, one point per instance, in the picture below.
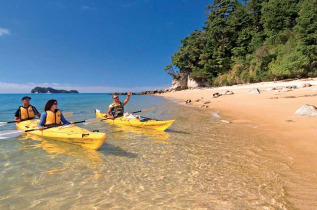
{"points": [[26, 97]]}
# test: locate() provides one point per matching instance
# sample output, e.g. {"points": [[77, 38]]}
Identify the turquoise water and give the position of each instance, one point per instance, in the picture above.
{"points": [[198, 162], [82, 105]]}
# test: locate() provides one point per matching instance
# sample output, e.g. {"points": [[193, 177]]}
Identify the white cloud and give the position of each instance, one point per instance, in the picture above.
{"points": [[4, 31], [27, 87]]}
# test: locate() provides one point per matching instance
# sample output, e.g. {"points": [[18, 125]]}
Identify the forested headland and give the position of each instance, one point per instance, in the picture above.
{"points": [[51, 90], [250, 41]]}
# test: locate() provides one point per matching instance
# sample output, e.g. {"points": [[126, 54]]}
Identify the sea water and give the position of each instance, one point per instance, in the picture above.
{"points": [[199, 162]]}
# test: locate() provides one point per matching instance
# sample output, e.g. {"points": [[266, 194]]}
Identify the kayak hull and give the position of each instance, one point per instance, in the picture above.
{"points": [[160, 125], [69, 133]]}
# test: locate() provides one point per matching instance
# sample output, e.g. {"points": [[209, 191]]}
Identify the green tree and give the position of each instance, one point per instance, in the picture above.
{"points": [[188, 57], [306, 29], [256, 40], [278, 16], [222, 32]]}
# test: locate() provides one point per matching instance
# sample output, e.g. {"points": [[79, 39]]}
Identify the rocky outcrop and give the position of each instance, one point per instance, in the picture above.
{"points": [[180, 83], [184, 81], [196, 83], [307, 110], [124, 93]]}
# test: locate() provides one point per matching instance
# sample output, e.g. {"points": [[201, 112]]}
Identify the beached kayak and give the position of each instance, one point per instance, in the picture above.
{"points": [[69, 133], [160, 125]]}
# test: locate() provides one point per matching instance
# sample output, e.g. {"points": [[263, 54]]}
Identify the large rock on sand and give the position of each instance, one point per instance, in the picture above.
{"points": [[270, 89], [304, 85], [254, 91], [228, 92], [216, 95], [307, 110]]}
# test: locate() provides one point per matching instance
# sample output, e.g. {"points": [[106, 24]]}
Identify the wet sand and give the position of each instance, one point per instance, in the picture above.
{"points": [[272, 113]]}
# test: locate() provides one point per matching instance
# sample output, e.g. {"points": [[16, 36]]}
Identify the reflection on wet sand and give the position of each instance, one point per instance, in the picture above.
{"points": [[91, 157], [124, 132]]}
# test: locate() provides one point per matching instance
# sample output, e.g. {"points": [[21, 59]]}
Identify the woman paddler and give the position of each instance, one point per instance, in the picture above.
{"points": [[52, 116]]}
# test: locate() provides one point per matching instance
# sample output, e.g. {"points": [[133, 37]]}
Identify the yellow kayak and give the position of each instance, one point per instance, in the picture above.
{"points": [[69, 133], [160, 125]]}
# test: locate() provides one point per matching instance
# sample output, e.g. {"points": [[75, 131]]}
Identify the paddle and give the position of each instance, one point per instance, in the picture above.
{"points": [[10, 134], [15, 133], [4, 123], [66, 114], [143, 110]]}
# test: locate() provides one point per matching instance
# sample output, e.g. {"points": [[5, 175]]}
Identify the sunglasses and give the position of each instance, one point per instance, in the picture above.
{"points": [[115, 97], [55, 103]]}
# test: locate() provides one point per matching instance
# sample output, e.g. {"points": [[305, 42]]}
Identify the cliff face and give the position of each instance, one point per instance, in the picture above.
{"points": [[186, 82], [50, 90]]}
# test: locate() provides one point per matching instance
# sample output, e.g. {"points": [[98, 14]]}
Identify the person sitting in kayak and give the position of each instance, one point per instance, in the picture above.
{"points": [[116, 109], [26, 111], [52, 116]]}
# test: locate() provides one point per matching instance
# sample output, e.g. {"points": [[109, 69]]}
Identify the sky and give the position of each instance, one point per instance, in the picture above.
{"points": [[92, 45]]}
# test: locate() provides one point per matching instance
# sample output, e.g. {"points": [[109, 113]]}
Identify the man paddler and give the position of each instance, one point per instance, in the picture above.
{"points": [[26, 111], [116, 109]]}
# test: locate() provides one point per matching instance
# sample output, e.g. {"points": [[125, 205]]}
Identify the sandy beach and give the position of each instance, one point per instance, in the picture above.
{"points": [[270, 111]]}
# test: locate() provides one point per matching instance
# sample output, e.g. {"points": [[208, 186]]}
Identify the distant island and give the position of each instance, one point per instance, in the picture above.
{"points": [[51, 90]]}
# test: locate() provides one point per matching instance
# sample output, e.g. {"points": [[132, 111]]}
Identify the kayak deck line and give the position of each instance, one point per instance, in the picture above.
{"points": [[160, 125]]}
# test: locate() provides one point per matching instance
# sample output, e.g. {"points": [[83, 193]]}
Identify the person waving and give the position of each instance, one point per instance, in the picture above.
{"points": [[116, 109]]}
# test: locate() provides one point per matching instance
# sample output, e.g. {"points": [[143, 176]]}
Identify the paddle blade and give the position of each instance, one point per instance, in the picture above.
{"points": [[68, 114], [3, 123], [149, 109], [10, 134], [93, 120]]}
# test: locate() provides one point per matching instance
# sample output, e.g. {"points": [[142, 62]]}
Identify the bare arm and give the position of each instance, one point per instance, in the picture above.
{"points": [[16, 116], [36, 112], [127, 99], [108, 114]]}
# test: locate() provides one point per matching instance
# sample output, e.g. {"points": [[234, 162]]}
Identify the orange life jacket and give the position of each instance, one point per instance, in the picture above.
{"points": [[26, 113], [53, 118]]}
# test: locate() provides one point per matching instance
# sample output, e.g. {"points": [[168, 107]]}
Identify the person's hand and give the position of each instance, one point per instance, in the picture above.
{"points": [[18, 120], [130, 93], [72, 122], [111, 117], [41, 128]]}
